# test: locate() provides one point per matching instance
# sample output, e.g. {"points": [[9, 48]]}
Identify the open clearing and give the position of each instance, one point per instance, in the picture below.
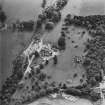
{"points": [[66, 68]]}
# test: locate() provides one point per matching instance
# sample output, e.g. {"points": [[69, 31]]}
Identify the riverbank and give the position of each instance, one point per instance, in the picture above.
{"points": [[12, 44], [47, 101]]}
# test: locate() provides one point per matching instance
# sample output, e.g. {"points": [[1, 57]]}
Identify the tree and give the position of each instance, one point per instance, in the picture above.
{"points": [[56, 17], [36, 54], [3, 16], [38, 25], [95, 96], [43, 3], [42, 76], [38, 71], [75, 75], [64, 86], [83, 75], [92, 81], [49, 26], [47, 62], [61, 43], [81, 80], [61, 4], [86, 63], [98, 78], [55, 60], [41, 66]]}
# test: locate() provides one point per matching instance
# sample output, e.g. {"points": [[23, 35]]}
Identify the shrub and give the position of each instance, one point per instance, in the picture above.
{"points": [[75, 75]]}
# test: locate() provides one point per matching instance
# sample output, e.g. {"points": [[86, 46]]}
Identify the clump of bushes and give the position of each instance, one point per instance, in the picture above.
{"points": [[61, 4]]}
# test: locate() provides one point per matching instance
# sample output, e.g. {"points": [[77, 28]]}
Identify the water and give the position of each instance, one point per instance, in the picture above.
{"points": [[21, 9], [92, 8]]}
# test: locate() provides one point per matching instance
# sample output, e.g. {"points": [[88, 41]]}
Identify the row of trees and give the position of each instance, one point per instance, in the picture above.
{"points": [[83, 93], [91, 23], [23, 25]]}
